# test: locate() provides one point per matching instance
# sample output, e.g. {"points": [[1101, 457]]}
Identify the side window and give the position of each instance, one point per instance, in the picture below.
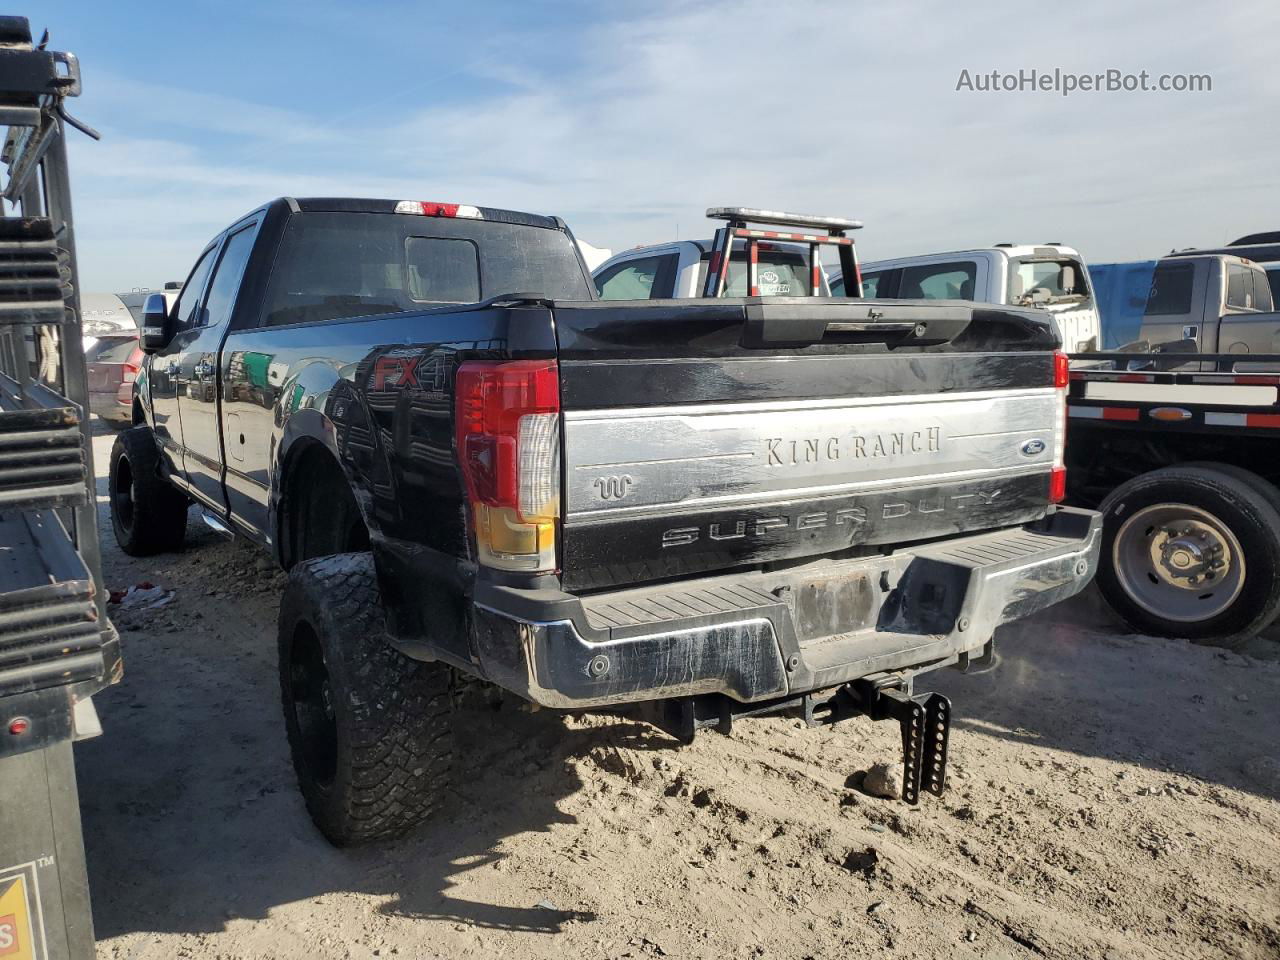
{"points": [[632, 280], [837, 287], [226, 279], [871, 284], [1262, 298], [939, 281], [1170, 293], [1239, 286], [184, 311]]}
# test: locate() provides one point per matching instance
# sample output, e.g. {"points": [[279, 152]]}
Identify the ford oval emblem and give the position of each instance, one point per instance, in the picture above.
{"points": [[1032, 447]]}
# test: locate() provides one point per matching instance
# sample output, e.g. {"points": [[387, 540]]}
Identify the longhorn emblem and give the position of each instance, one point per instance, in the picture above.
{"points": [[613, 488]]}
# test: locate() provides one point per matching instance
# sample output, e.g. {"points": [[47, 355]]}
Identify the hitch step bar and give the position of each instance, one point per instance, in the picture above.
{"points": [[924, 718]]}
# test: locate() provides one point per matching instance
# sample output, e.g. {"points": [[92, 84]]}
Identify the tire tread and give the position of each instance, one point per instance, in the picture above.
{"points": [[159, 509], [1247, 493], [395, 752]]}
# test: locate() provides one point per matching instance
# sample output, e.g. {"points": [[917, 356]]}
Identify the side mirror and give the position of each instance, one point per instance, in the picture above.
{"points": [[156, 331]]}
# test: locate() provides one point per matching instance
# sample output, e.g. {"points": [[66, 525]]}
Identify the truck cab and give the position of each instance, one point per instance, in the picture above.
{"points": [[1220, 302], [1050, 277]]}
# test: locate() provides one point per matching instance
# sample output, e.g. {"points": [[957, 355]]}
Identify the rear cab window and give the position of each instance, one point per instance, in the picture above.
{"points": [[1247, 288], [781, 273], [939, 281], [335, 265], [1170, 294], [1042, 280]]}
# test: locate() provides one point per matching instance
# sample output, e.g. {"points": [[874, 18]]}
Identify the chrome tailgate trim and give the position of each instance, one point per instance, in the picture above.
{"points": [[668, 460]]}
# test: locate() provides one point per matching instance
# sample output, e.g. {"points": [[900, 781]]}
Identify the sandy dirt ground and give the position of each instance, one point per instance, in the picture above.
{"points": [[1111, 796]]}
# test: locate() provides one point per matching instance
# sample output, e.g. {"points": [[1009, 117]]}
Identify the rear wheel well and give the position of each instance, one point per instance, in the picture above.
{"points": [[319, 515], [139, 416]]}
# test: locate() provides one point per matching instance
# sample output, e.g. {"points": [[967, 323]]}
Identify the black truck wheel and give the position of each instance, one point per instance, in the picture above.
{"points": [[148, 514], [370, 730], [1193, 552]]}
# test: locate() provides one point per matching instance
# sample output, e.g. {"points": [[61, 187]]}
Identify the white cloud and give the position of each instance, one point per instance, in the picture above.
{"points": [[829, 108]]}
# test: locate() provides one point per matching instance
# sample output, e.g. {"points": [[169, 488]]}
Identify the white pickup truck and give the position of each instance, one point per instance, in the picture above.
{"points": [[676, 270], [1049, 276]]}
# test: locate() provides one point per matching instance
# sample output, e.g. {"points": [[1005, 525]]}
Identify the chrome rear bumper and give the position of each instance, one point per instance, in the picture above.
{"points": [[758, 636]]}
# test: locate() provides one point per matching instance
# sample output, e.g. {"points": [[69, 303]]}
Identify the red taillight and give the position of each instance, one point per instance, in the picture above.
{"points": [[1061, 369], [1058, 477], [1058, 484], [508, 438], [132, 365]]}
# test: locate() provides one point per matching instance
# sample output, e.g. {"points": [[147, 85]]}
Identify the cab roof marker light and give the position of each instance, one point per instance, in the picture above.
{"points": [[428, 208]]}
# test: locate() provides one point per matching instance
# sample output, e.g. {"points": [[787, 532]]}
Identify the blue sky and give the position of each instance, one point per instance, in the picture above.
{"points": [[630, 119]]}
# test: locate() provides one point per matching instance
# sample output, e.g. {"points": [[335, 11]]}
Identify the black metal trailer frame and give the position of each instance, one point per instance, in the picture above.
{"points": [[57, 647]]}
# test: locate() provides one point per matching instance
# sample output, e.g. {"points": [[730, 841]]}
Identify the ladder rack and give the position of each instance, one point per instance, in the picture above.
{"points": [[738, 227]]}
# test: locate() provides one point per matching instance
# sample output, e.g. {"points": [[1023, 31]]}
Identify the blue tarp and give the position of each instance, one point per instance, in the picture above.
{"points": [[1120, 291]]}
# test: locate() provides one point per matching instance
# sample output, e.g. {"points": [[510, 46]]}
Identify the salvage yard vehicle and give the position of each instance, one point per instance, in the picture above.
{"points": [[1217, 303], [471, 466], [1049, 276], [111, 364], [674, 270], [106, 314], [1260, 248], [1179, 454]]}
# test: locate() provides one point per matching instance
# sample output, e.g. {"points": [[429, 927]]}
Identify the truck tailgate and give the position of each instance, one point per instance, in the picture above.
{"points": [[744, 432]]}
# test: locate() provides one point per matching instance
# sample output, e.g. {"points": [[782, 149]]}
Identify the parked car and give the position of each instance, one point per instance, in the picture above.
{"points": [[678, 269], [112, 363], [104, 314], [1220, 303], [689, 510], [1262, 248], [1050, 277], [135, 299]]}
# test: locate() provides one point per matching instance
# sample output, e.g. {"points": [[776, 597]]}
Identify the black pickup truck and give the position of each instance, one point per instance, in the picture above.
{"points": [[697, 509]]}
